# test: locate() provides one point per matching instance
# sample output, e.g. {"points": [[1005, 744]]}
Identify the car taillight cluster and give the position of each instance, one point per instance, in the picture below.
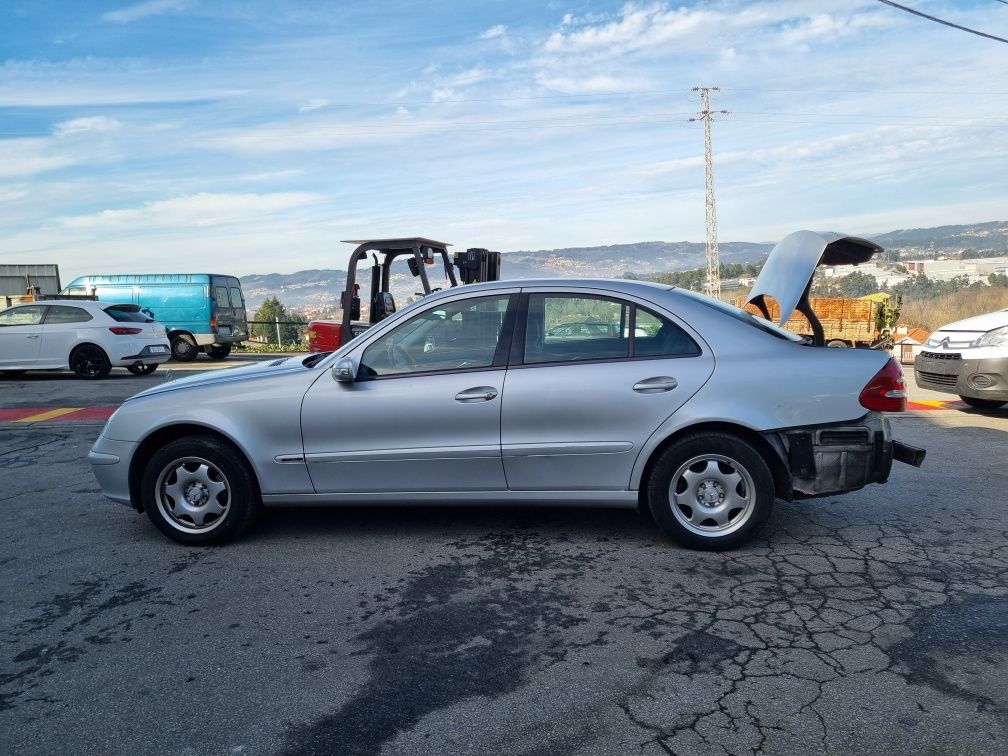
{"points": [[886, 392], [124, 331]]}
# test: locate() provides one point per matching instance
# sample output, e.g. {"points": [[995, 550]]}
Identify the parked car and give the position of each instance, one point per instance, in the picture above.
{"points": [[968, 358], [461, 397], [202, 311], [89, 338]]}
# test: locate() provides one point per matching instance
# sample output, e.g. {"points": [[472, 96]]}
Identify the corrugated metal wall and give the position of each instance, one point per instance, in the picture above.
{"points": [[13, 279]]}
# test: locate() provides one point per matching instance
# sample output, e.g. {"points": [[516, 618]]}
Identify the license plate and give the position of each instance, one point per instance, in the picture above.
{"points": [[158, 349], [225, 330]]}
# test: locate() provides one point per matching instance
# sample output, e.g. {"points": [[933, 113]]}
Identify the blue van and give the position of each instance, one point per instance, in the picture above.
{"points": [[201, 311]]}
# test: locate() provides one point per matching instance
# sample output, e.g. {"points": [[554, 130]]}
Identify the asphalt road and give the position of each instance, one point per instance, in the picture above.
{"points": [[874, 622]]}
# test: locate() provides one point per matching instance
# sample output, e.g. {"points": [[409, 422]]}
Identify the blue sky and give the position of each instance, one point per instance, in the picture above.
{"points": [[244, 136]]}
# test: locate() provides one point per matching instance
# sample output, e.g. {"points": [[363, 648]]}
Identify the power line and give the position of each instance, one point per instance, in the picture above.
{"points": [[943, 21]]}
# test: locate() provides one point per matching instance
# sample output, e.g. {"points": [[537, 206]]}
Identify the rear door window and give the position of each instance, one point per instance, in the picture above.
{"points": [[655, 336], [64, 314], [221, 297], [575, 327], [236, 298]]}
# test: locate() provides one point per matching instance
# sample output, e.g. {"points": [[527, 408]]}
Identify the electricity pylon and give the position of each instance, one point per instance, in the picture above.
{"points": [[713, 286]]}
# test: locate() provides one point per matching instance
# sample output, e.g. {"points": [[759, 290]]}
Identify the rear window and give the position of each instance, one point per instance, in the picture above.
{"points": [[236, 297], [746, 317], [221, 295], [128, 314]]}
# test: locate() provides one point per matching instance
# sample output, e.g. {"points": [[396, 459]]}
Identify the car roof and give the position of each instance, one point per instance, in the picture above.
{"points": [[624, 285]]}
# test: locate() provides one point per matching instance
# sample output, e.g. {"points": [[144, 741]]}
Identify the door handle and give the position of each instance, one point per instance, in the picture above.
{"points": [[477, 394], [34, 335], [655, 385]]}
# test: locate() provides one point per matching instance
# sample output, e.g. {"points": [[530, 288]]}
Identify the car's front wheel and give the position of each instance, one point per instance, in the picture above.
{"points": [[90, 362], [183, 347], [199, 491], [975, 403], [710, 491]]}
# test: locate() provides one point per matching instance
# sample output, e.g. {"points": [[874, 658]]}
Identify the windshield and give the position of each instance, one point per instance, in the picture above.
{"points": [[745, 317]]}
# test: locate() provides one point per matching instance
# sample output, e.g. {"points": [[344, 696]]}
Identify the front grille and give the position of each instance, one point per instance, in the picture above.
{"points": [[942, 355], [843, 437], [938, 378]]}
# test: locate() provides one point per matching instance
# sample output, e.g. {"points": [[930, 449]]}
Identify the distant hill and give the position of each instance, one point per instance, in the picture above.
{"points": [[315, 292]]}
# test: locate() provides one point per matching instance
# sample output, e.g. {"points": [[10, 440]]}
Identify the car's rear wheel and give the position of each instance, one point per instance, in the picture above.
{"points": [[183, 347], [710, 491], [90, 362], [145, 369], [217, 352], [983, 403], [838, 344], [199, 491]]}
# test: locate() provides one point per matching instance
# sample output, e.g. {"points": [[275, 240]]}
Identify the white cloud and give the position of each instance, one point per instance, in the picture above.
{"points": [[87, 124], [494, 32], [200, 210], [135, 12], [27, 157], [313, 104], [590, 84]]}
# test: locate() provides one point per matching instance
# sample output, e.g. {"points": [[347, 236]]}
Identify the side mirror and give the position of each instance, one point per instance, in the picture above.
{"points": [[344, 371]]}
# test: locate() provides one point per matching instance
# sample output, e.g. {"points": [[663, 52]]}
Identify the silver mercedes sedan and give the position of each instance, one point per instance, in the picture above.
{"points": [[693, 410]]}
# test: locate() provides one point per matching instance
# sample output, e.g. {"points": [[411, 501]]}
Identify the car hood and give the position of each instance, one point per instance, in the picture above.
{"points": [[227, 375], [792, 263], [978, 323]]}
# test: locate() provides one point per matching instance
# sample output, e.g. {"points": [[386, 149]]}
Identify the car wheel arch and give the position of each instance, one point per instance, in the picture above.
{"points": [[774, 457], [155, 440], [85, 343]]}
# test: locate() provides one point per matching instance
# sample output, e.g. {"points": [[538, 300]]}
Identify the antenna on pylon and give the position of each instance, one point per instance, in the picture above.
{"points": [[713, 285]]}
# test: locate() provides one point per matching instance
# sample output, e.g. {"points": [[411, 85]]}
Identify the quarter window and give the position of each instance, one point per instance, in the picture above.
{"points": [[22, 316], [63, 314], [459, 335], [655, 336]]}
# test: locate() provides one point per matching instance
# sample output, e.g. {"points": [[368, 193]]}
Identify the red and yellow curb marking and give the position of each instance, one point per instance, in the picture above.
{"points": [[54, 414], [937, 404]]}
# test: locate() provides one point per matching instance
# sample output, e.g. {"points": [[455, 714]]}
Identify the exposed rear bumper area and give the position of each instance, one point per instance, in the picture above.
{"points": [[833, 459]]}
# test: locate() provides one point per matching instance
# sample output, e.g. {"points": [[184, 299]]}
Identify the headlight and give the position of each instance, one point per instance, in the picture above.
{"points": [[997, 337]]}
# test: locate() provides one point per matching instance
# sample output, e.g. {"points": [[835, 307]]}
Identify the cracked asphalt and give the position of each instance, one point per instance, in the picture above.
{"points": [[873, 622]]}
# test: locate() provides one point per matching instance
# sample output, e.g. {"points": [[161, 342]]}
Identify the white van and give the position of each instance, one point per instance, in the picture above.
{"points": [[968, 358]]}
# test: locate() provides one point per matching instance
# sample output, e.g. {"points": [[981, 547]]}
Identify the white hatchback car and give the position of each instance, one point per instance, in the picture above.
{"points": [[89, 338]]}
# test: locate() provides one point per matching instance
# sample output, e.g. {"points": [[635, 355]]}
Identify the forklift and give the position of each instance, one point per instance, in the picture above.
{"points": [[475, 265]]}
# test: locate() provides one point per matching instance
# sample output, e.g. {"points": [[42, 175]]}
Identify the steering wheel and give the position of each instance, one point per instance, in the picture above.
{"points": [[400, 358]]}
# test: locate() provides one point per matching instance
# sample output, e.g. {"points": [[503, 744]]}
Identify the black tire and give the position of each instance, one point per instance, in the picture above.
{"points": [[217, 352], [183, 347], [13, 373], [145, 369], [734, 461], [90, 362], [838, 344], [983, 403], [216, 477]]}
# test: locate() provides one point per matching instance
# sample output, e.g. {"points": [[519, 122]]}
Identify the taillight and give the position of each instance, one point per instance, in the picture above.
{"points": [[213, 322], [124, 331], [886, 392]]}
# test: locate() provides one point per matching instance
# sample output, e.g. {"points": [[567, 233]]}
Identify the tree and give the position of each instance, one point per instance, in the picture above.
{"points": [[271, 312]]}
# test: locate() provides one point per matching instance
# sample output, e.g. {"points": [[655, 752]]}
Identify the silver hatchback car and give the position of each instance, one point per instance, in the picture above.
{"points": [[695, 410]]}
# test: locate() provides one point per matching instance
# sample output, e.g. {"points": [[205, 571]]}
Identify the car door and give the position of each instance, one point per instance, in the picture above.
{"points": [[63, 328], [21, 336], [424, 412], [577, 411]]}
